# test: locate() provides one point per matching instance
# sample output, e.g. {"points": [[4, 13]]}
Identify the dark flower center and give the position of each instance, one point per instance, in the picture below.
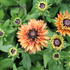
{"points": [[1, 33], [57, 42], [17, 21], [56, 55], [66, 22], [33, 34], [42, 5], [13, 51]]}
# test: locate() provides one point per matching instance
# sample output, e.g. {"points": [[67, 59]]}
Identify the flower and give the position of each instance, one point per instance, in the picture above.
{"points": [[42, 5], [1, 33], [17, 20], [13, 51], [57, 42], [63, 23], [33, 37], [56, 56]]}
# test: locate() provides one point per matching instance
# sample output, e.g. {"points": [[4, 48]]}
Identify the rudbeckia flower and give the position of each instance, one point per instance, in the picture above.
{"points": [[42, 5], [1, 33], [33, 37], [17, 21], [57, 42], [56, 56], [63, 23], [13, 51]]}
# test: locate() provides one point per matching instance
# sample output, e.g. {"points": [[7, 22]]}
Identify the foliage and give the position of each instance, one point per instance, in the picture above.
{"points": [[25, 10]]}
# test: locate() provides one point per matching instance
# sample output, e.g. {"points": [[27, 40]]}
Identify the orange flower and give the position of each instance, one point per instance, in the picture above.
{"points": [[33, 37], [63, 23]]}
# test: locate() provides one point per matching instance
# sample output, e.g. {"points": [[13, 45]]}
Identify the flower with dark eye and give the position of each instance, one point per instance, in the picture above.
{"points": [[17, 21], [1, 33], [13, 51], [57, 42], [33, 36], [42, 5], [56, 56], [63, 23]]}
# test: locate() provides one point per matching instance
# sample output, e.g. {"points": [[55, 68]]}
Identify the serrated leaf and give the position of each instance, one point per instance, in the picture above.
{"points": [[55, 66], [46, 58], [5, 63], [26, 62]]}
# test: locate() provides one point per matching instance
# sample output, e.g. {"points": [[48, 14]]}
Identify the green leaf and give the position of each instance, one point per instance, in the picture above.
{"points": [[21, 2], [36, 57], [46, 58], [1, 42], [67, 65], [64, 7], [26, 62], [54, 1], [5, 48], [2, 14], [66, 44], [68, 38], [55, 10], [5, 63], [7, 2], [55, 66], [37, 67], [34, 14], [6, 24], [58, 1], [14, 67], [68, 68], [14, 11], [50, 33], [17, 12], [65, 54], [20, 68]]}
